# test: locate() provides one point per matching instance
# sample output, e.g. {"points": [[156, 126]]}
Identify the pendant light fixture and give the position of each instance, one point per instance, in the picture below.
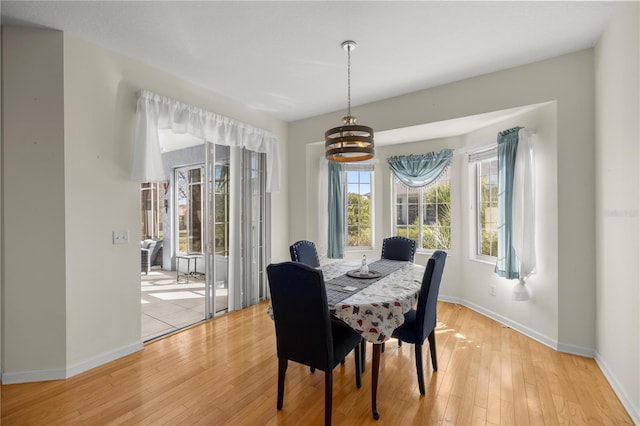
{"points": [[350, 142]]}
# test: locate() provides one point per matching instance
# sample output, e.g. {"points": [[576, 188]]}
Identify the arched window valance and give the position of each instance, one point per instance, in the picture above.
{"points": [[416, 171], [155, 112]]}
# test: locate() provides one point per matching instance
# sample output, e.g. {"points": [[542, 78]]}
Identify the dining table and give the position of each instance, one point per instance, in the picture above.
{"points": [[373, 302]]}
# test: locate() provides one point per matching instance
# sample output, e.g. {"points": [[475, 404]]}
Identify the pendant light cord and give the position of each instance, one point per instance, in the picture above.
{"points": [[349, 80]]}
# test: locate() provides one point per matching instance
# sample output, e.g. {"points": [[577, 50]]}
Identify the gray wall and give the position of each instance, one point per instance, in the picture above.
{"points": [[617, 64], [34, 199]]}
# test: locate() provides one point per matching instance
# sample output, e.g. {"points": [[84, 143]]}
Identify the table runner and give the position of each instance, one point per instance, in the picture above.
{"points": [[378, 309], [338, 287]]}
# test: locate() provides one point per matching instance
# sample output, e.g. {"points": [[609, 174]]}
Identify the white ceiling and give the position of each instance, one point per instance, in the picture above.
{"points": [[284, 57]]}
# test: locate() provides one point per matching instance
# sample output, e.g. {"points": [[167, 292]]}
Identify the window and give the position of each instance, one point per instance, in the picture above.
{"points": [[486, 172], [189, 193], [424, 214], [358, 188], [152, 201], [222, 191]]}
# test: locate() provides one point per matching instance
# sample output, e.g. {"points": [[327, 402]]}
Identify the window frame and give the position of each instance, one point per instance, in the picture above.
{"points": [[176, 214], [475, 161], [359, 168], [152, 201], [421, 209]]}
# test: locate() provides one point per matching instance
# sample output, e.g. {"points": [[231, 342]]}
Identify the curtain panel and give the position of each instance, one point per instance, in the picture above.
{"points": [[507, 264], [335, 237], [155, 112], [323, 202], [416, 171], [523, 208]]}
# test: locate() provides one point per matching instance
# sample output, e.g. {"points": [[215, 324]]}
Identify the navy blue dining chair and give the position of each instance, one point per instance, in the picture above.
{"points": [[398, 248], [305, 332], [420, 323], [394, 248], [305, 252]]}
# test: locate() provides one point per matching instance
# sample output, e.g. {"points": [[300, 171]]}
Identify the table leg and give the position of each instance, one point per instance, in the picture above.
{"points": [[188, 274], [375, 367], [195, 267]]}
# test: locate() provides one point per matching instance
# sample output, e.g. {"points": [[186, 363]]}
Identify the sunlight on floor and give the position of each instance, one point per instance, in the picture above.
{"points": [[176, 295]]}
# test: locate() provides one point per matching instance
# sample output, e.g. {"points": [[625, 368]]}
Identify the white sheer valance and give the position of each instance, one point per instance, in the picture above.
{"points": [[155, 112]]}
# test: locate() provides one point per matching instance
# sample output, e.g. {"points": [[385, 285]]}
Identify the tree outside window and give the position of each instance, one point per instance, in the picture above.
{"points": [[487, 202], [424, 214], [189, 201], [152, 209], [358, 209], [222, 192]]}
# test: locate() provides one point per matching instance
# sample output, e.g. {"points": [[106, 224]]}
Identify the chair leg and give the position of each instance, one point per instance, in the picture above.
{"points": [[419, 368], [357, 356], [282, 369], [328, 396], [363, 354], [432, 349]]}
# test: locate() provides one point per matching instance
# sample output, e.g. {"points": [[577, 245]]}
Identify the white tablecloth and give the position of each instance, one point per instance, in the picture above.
{"points": [[378, 309]]}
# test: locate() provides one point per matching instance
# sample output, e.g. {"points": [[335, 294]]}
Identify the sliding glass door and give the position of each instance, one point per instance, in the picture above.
{"points": [[218, 221], [254, 228], [236, 229]]}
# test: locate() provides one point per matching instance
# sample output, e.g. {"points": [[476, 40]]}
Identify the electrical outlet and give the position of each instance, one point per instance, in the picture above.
{"points": [[120, 237], [492, 289]]}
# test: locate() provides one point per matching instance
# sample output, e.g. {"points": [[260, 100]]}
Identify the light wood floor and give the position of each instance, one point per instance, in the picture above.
{"points": [[224, 372]]}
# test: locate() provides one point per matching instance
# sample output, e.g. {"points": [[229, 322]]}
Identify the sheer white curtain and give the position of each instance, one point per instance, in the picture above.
{"points": [[155, 112], [523, 211]]}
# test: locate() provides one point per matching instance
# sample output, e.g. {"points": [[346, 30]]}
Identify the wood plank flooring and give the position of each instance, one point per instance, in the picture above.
{"points": [[224, 372]]}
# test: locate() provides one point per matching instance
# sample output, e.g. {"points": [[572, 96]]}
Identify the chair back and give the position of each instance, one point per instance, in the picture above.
{"points": [[398, 248], [301, 314], [156, 251], [304, 251], [428, 299]]}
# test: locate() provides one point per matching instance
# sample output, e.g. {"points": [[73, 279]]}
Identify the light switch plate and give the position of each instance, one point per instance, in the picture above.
{"points": [[120, 237]]}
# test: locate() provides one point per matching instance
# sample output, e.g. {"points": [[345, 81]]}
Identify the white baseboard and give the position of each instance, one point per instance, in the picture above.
{"points": [[69, 371], [9, 378], [634, 411], [545, 340], [87, 365]]}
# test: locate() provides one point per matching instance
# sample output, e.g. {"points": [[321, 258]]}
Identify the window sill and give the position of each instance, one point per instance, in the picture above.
{"points": [[430, 252], [486, 260], [362, 249]]}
